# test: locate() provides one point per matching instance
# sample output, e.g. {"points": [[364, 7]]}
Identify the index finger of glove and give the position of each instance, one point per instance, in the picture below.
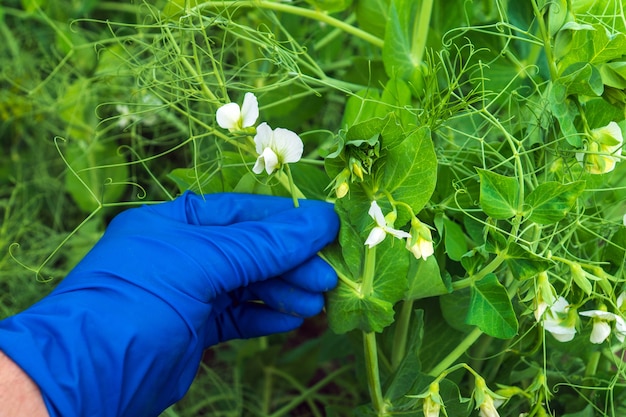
{"points": [[259, 250], [223, 209]]}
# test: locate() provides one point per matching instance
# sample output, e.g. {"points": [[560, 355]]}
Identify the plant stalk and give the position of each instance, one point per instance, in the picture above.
{"points": [[453, 356], [420, 31], [547, 45], [293, 190], [298, 11], [373, 376], [401, 334], [370, 347]]}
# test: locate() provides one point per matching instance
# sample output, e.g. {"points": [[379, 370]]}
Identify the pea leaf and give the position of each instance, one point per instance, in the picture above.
{"points": [[582, 78], [425, 280], [499, 195], [491, 310], [594, 46], [369, 131], [551, 201], [348, 309], [360, 107], [522, 263], [454, 239], [455, 308], [397, 55], [372, 16], [366, 131], [565, 111], [395, 98], [411, 170]]}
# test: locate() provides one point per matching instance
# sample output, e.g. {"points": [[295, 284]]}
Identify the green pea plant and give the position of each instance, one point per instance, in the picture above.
{"points": [[473, 153], [501, 144]]}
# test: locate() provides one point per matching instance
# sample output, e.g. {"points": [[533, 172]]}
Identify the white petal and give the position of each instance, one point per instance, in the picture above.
{"points": [[622, 297], [377, 214], [561, 333], [614, 131], [415, 250], [598, 314], [376, 236], [259, 165], [620, 328], [270, 159], [228, 116], [426, 246], [564, 337], [601, 330], [400, 234], [488, 408], [624, 219], [561, 305], [263, 138], [287, 145], [249, 110], [541, 308]]}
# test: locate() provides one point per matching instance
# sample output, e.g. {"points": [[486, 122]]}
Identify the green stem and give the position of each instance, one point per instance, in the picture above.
{"points": [[492, 266], [367, 284], [287, 182], [369, 338], [401, 334], [547, 46], [420, 31], [373, 377], [299, 11], [459, 351], [292, 187]]}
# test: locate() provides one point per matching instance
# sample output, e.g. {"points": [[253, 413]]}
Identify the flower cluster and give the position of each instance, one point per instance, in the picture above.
{"points": [[275, 147], [560, 319], [419, 242]]}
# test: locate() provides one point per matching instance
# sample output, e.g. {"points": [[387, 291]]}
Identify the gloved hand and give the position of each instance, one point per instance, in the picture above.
{"points": [[123, 333]]}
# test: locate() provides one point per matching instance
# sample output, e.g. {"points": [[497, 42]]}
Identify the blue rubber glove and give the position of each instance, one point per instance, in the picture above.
{"points": [[123, 333]]}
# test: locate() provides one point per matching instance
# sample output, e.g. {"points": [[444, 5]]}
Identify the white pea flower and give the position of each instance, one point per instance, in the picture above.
{"points": [[383, 226], [488, 408], [546, 295], [234, 118], [432, 401], [275, 148], [601, 328], [420, 244], [559, 322], [603, 150]]}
